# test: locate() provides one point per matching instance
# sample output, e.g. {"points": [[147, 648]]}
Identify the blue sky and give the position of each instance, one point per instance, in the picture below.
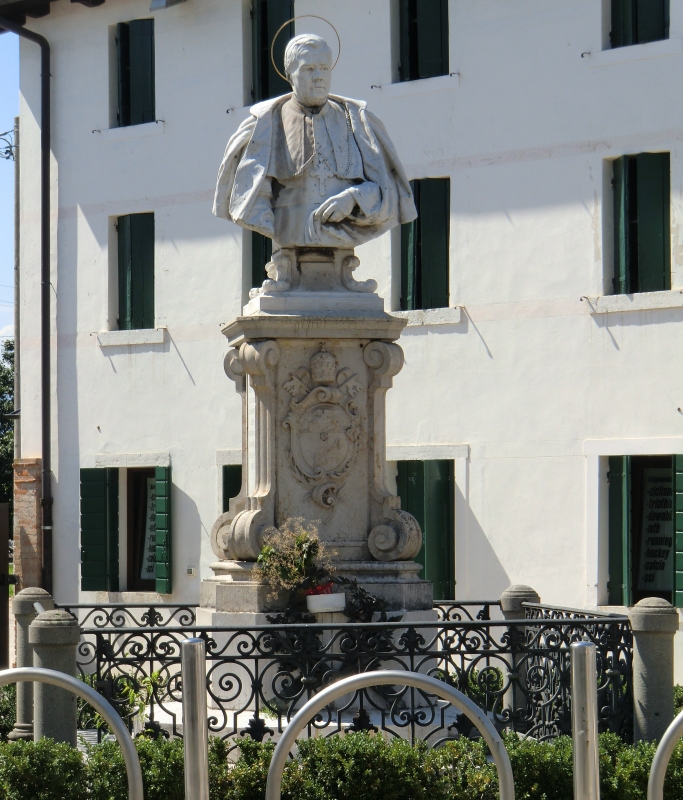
{"points": [[9, 108]]}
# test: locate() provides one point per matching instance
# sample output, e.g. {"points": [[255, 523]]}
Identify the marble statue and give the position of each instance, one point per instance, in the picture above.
{"points": [[311, 169], [314, 353]]}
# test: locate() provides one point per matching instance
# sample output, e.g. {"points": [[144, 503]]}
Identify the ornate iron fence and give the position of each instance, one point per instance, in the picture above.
{"points": [[518, 671], [134, 615]]}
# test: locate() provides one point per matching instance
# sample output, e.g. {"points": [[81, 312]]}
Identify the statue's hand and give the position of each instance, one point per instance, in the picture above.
{"points": [[337, 208]]}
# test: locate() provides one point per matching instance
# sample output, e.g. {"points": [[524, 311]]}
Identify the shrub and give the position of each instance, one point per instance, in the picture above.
{"points": [[348, 767], [678, 699], [42, 770], [8, 709]]}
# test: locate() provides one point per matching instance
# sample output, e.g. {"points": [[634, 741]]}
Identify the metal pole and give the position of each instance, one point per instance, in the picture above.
{"points": [[655, 784], [112, 718], [585, 721], [393, 678], [195, 725]]}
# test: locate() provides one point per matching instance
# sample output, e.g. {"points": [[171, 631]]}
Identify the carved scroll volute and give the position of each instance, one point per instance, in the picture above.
{"points": [[220, 532], [395, 534], [243, 540]]}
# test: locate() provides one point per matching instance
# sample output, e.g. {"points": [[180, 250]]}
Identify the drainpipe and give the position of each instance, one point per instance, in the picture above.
{"points": [[46, 486], [17, 292]]}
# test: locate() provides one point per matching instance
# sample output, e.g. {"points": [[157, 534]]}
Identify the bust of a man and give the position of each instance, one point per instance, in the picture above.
{"points": [[311, 169]]}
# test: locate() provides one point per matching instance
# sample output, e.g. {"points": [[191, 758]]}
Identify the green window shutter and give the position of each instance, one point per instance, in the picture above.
{"points": [[623, 30], [622, 249], [653, 215], [266, 18], [112, 528], [261, 253], [438, 529], [125, 273], [423, 39], [410, 489], [99, 530], [678, 530], [232, 483], [142, 100], [426, 489], [619, 586], [432, 38], [652, 20], [425, 246], [136, 271], [410, 233], [123, 68], [407, 65], [164, 561], [434, 241]]}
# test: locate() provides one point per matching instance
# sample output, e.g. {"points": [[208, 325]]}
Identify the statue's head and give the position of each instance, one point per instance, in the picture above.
{"points": [[308, 67]]}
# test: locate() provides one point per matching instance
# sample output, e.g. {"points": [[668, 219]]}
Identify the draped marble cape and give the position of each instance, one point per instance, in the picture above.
{"points": [[248, 163]]}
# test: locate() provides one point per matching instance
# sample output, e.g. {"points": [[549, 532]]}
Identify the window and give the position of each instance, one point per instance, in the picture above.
{"points": [[141, 529], [639, 21], [261, 253], [136, 271], [645, 530], [266, 18], [426, 489], [642, 248], [423, 26], [148, 525], [232, 483], [424, 247], [135, 63]]}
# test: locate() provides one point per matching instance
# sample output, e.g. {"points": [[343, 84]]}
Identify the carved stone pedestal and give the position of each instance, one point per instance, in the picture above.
{"points": [[313, 380]]}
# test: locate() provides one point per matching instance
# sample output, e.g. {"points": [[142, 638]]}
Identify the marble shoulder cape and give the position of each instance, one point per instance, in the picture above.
{"points": [[247, 156]]}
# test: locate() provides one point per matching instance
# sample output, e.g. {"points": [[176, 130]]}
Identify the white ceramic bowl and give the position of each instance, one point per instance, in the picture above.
{"points": [[318, 603]]}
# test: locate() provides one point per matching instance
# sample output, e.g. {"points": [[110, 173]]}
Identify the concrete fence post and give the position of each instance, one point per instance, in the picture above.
{"points": [[24, 614], [511, 605], [654, 623], [54, 636]]}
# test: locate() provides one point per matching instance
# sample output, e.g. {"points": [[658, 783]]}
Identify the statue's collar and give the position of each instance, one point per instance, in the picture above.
{"points": [[305, 110]]}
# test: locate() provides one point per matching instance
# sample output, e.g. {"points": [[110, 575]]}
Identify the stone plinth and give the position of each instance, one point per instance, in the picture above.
{"points": [[313, 357]]}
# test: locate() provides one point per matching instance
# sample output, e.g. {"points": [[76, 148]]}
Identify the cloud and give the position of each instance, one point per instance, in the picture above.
{"points": [[7, 332]]}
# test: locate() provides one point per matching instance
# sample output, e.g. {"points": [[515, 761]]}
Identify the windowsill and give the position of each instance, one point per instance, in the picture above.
{"points": [[642, 301], [441, 83], [125, 460], [635, 52], [131, 131], [431, 316], [129, 338]]}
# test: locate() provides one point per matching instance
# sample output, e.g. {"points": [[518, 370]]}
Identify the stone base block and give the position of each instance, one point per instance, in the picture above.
{"points": [[234, 590]]}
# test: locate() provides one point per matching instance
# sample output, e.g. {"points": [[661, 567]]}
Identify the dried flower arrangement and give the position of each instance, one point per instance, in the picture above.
{"points": [[294, 559]]}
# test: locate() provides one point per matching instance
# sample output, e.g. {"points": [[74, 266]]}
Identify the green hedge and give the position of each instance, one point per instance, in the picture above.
{"points": [[350, 767]]}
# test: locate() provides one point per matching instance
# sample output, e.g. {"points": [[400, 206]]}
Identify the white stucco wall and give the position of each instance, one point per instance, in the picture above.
{"points": [[529, 379]]}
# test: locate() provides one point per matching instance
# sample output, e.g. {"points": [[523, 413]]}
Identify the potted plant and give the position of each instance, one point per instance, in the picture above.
{"points": [[294, 559]]}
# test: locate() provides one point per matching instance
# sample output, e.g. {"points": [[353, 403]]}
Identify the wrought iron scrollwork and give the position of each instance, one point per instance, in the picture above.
{"points": [[258, 678]]}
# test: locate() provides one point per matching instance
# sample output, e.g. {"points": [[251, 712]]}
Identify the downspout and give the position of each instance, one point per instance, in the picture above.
{"points": [[17, 290], [46, 485]]}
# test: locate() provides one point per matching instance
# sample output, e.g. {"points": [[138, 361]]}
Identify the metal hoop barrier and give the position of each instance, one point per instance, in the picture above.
{"points": [[655, 783], [284, 25], [394, 677], [63, 681]]}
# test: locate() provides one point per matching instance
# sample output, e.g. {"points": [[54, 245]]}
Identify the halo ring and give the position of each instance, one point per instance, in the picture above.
{"points": [[284, 25]]}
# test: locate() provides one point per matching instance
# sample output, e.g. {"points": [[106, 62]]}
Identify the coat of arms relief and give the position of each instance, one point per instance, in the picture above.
{"points": [[326, 428]]}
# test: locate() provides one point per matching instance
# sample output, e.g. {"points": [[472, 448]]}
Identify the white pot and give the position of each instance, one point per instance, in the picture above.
{"points": [[318, 603]]}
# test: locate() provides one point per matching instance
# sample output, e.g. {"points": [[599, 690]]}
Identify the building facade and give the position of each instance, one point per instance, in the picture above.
{"points": [[537, 426]]}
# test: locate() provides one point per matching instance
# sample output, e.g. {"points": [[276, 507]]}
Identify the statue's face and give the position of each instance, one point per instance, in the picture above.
{"points": [[312, 76]]}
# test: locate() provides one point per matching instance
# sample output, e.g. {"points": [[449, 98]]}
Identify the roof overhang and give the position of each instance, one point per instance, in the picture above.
{"points": [[17, 10]]}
